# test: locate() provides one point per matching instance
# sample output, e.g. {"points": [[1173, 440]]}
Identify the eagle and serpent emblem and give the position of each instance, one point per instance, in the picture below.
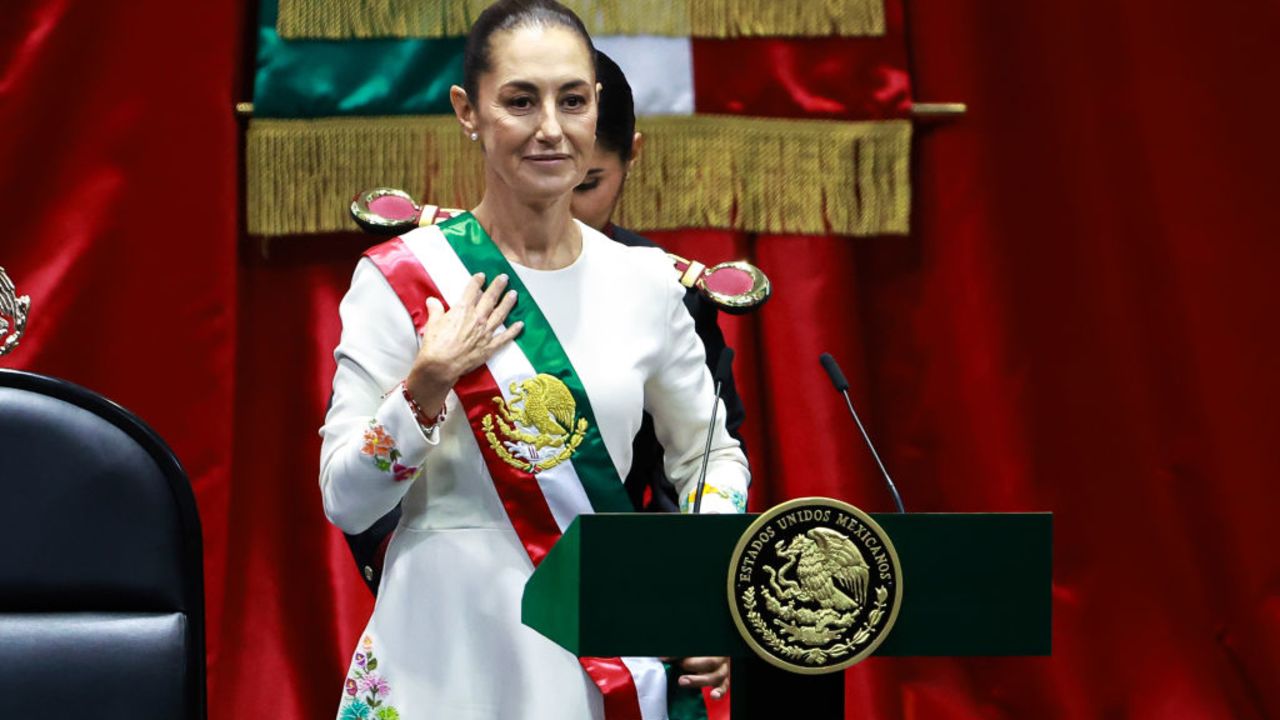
{"points": [[538, 428], [13, 314], [814, 585]]}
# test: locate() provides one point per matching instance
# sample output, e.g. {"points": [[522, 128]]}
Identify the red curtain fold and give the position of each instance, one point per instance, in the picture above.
{"points": [[1080, 322], [824, 78], [863, 78], [297, 601]]}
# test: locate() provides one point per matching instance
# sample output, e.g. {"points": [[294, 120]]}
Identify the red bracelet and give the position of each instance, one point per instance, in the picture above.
{"points": [[424, 422]]}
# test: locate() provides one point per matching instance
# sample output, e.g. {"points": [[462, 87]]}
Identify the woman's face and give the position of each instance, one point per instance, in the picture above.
{"points": [[536, 112], [596, 196]]}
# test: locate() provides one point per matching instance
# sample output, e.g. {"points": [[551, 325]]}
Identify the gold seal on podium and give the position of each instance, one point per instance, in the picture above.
{"points": [[814, 585]]}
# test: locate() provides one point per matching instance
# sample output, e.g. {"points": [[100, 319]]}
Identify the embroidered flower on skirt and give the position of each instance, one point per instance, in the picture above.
{"points": [[381, 448], [366, 690]]}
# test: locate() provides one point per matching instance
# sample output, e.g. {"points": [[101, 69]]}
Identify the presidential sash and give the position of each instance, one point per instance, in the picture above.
{"points": [[532, 420]]}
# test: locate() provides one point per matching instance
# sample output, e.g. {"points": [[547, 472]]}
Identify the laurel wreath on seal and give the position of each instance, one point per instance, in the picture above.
{"points": [[814, 656]]}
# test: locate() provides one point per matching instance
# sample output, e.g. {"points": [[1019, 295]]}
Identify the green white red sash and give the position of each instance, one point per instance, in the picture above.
{"points": [[540, 504]]}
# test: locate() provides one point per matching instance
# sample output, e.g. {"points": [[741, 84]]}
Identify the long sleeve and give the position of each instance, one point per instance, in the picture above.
{"points": [[647, 470], [678, 396], [373, 448]]}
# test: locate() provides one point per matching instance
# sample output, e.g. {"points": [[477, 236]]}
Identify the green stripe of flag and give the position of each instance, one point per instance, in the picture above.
{"points": [[328, 78]]}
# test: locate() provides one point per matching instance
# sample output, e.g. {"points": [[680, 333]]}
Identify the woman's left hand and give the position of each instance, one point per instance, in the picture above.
{"points": [[710, 672]]}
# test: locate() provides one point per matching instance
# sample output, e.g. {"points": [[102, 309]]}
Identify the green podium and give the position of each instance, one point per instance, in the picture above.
{"points": [[656, 585]]}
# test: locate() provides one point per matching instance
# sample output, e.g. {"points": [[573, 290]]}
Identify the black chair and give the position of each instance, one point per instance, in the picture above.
{"points": [[101, 579]]}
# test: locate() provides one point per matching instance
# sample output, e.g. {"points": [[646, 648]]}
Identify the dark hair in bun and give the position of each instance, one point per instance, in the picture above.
{"points": [[511, 15], [616, 125]]}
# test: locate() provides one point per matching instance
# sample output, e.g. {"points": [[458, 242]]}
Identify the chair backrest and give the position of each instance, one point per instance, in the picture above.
{"points": [[101, 579]]}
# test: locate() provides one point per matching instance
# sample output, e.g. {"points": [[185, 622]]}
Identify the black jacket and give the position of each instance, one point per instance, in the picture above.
{"points": [[369, 547]]}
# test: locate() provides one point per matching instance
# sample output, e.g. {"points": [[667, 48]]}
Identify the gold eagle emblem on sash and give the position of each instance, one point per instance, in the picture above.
{"points": [[538, 428]]}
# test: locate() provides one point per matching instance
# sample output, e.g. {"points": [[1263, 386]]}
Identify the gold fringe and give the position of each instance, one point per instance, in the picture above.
{"points": [[782, 18], [706, 171], [346, 19], [302, 174], [811, 177]]}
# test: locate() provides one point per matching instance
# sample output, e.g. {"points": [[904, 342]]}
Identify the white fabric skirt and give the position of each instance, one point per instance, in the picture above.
{"points": [[446, 640]]}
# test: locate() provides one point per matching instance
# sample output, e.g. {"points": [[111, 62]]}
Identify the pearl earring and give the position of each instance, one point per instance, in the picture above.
{"points": [[475, 137]]}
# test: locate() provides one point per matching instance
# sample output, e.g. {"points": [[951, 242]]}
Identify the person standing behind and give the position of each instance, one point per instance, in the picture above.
{"points": [[618, 148]]}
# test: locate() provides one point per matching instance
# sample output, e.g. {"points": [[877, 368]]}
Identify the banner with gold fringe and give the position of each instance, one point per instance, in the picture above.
{"points": [[352, 19], [333, 118], [753, 174]]}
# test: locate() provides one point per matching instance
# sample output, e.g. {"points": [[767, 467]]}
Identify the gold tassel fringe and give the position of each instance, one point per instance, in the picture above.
{"points": [[812, 177], [348, 19], [786, 18], [302, 174], [702, 171]]}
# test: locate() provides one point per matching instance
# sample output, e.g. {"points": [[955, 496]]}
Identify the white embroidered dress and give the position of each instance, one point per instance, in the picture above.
{"points": [[445, 639]]}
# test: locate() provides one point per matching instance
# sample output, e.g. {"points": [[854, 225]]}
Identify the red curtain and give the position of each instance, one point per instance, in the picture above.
{"points": [[119, 196], [1078, 323]]}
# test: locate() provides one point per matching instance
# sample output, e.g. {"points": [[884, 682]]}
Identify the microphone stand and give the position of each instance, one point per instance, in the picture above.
{"points": [[842, 385], [722, 369]]}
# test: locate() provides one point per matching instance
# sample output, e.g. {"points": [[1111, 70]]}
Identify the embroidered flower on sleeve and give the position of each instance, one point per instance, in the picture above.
{"points": [[380, 447], [739, 499], [376, 440], [366, 690]]}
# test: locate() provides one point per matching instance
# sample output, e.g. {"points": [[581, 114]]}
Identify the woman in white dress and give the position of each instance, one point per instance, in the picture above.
{"points": [[492, 372]]}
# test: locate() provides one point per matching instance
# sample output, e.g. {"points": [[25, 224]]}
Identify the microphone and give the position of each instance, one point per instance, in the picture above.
{"points": [[842, 386], [722, 366], [722, 372]]}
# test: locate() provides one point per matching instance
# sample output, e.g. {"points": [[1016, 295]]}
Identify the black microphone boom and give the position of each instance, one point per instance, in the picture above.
{"points": [[842, 385], [723, 364], [722, 371], [833, 372]]}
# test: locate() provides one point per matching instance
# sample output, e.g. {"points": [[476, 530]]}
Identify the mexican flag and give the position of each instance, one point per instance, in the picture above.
{"points": [[767, 116]]}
